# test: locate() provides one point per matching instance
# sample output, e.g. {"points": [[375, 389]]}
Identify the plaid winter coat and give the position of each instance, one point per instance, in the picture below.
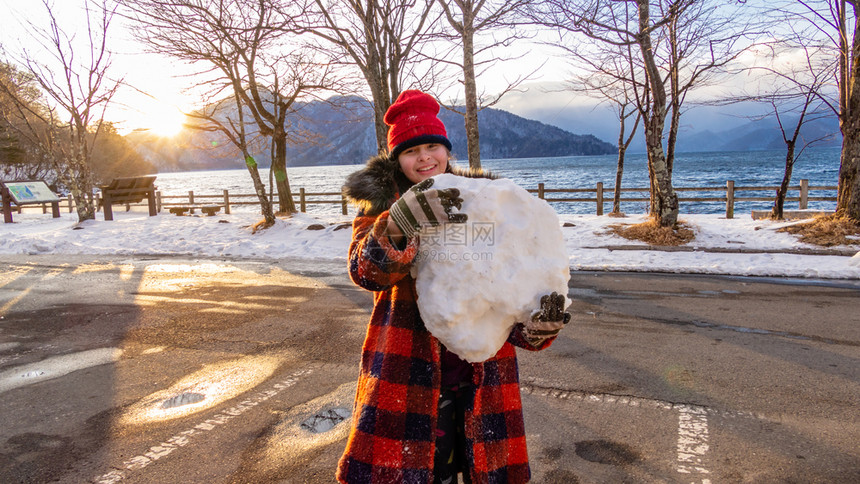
{"points": [[392, 438]]}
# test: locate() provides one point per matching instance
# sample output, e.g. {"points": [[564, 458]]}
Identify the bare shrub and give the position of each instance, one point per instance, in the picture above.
{"points": [[652, 233], [826, 231]]}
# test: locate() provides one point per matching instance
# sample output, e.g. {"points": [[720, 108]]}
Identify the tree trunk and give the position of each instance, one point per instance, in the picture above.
{"points": [[381, 100], [848, 193], [664, 203], [471, 92], [381, 103], [380, 127], [279, 167], [779, 202], [619, 171], [83, 204], [80, 178], [664, 200], [259, 188]]}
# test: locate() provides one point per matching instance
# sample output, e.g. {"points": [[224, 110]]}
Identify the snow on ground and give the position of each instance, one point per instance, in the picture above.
{"points": [[768, 252]]}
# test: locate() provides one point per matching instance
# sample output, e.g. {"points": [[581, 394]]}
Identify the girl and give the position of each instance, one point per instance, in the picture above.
{"points": [[421, 413]]}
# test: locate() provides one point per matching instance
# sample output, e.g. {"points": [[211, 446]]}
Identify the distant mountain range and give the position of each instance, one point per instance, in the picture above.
{"points": [[340, 131], [762, 134], [703, 127]]}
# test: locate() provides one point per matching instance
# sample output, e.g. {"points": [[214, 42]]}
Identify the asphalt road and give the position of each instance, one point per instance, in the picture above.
{"points": [[153, 370]]}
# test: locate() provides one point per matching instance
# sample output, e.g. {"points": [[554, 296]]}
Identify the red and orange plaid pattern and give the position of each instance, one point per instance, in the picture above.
{"points": [[392, 438]]}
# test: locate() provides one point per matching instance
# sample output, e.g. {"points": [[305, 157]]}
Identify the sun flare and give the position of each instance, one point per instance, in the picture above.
{"points": [[165, 122]]}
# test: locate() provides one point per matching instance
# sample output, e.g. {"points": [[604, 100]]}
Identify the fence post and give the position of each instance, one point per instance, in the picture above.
{"points": [[7, 204], [599, 198], [158, 201], [804, 193], [302, 200], [71, 202], [226, 202], [730, 199], [191, 200], [343, 203], [540, 191]]}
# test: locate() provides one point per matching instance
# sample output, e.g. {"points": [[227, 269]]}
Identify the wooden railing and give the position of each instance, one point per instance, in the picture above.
{"points": [[599, 196], [730, 195], [227, 200]]}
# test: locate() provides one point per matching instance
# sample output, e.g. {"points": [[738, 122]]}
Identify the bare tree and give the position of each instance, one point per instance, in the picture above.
{"points": [[242, 41], [80, 91], [607, 72], [835, 21], [622, 103], [469, 19], [227, 117], [615, 87], [380, 38], [796, 95], [804, 107], [681, 44]]}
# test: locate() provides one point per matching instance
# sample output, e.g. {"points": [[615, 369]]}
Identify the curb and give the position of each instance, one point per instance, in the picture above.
{"points": [[727, 250]]}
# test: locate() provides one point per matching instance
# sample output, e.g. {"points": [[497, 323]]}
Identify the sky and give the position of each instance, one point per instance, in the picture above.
{"points": [[768, 253], [166, 82], [157, 93], [153, 96]]}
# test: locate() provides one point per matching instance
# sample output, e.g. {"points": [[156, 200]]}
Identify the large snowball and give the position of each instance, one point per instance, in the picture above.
{"points": [[476, 280]]}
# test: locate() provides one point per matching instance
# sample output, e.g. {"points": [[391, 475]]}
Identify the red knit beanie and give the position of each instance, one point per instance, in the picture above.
{"points": [[413, 121]]}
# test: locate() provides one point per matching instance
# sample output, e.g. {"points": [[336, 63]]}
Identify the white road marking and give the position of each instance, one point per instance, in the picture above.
{"points": [[692, 440], [163, 449], [692, 447]]}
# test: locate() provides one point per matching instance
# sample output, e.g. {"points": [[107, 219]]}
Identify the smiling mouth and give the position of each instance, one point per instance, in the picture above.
{"points": [[425, 170]]}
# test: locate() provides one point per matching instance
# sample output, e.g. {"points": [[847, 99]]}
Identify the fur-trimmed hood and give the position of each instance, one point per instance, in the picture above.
{"points": [[376, 186]]}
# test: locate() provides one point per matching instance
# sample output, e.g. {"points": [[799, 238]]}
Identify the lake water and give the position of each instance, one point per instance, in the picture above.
{"points": [[712, 169]]}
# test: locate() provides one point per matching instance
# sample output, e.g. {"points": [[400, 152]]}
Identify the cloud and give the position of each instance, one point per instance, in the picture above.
{"points": [[581, 114]]}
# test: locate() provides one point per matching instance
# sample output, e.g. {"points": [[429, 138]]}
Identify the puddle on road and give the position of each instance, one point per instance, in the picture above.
{"points": [[606, 452], [182, 399], [302, 431], [326, 420]]}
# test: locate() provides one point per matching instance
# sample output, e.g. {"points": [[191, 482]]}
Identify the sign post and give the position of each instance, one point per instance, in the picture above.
{"points": [[26, 193]]}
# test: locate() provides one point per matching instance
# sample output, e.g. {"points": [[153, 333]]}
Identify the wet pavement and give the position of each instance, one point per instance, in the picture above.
{"points": [[123, 369]]}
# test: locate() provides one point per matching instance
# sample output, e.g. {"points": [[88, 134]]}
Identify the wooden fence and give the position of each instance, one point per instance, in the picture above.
{"points": [[599, 196], [730, 195]]}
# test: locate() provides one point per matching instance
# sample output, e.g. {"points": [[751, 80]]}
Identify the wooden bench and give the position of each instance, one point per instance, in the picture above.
{"points": [[209, 210], [27, 192], [128, 190]]}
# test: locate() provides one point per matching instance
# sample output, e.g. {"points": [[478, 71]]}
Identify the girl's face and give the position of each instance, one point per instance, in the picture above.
{"points": [[423, 161]]}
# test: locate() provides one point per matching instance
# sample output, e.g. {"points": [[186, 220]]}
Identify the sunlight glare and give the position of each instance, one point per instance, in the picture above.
{"points": [[165, 121]]}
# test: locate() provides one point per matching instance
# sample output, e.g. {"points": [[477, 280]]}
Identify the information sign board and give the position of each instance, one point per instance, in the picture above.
{"points": [[30, 192], [23, 192]]}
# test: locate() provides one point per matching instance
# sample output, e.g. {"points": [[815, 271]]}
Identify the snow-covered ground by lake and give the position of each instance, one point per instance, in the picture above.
{"points": [[757, 248]]}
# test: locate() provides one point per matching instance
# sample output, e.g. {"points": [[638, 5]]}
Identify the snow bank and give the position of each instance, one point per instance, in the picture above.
{"points": [[476, 280]]}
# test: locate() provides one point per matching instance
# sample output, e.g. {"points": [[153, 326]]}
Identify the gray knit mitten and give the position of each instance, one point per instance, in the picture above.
{"points": [[547, 321], [422, 206]]}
